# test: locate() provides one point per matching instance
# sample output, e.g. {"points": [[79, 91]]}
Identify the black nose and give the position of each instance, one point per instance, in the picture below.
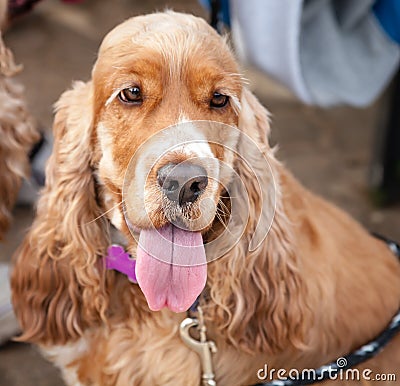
{"points": [[182, 183]]}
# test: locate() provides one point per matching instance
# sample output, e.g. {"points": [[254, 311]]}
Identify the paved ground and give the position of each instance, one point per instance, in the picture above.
{"points": [[329, 150]]}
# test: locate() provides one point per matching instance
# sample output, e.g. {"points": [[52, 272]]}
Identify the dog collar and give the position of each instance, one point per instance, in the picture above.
{"points": [[348, 361], [119, 260]]}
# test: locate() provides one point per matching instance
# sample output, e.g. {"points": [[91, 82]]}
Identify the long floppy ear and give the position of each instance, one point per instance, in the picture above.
{"points": [[257, 285], [17, 133], [57, 283]]}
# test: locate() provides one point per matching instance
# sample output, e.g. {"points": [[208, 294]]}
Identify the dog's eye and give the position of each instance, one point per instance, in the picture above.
{"points": [[131, 95], [219, 100]]}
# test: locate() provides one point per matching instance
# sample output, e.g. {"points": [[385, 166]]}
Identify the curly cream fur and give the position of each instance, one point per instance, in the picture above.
{"points": [[17, 136], [66, 242]]}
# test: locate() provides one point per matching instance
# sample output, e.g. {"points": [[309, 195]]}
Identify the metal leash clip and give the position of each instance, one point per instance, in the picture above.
{"points": [[203, 348]]}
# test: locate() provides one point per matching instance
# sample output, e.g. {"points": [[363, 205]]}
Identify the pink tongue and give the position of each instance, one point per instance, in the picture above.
{"points": [[171, 267]]}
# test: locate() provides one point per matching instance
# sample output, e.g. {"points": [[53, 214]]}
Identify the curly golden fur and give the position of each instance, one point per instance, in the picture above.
{"points": [[17, 135], [317, 287]]}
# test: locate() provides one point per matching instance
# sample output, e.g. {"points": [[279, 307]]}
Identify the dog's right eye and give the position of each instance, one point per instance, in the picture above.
{"points": [[131, 95], [219, 100]]}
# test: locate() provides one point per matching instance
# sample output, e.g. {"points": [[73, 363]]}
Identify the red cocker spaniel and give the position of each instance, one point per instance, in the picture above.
{"points": [[311, 289]]}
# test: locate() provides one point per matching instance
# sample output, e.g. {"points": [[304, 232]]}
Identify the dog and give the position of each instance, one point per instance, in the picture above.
{"points": [[315, 288], [18, 131]]}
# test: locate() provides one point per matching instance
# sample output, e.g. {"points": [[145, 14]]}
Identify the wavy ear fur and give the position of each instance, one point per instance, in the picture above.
{"points": [[17, 133], [57, 287], [259, 292]]}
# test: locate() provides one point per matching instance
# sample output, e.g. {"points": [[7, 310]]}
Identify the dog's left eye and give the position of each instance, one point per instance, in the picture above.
{"points": [[131, 95], [219, 100]]}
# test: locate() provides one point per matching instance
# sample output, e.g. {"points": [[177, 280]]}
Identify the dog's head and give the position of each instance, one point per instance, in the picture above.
{"points": [[151, 145], [154, 72], [166, 86]]}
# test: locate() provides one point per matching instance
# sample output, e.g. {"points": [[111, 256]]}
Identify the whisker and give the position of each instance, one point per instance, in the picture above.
{"points": [[224, 207], [225, 226], [103, 214], [220, 211], [112, 191]]}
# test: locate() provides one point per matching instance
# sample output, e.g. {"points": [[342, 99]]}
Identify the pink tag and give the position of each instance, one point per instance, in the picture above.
{"points": [[120, 260]]}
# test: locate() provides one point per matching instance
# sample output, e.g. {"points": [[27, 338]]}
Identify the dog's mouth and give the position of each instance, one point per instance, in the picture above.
{"points": [[171, 267], [171, 196], [171, 261]]}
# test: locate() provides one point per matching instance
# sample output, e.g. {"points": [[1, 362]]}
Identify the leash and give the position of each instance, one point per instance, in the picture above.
{"points": [[364, 353], [203, 347], [354, 358], [120, 260]]}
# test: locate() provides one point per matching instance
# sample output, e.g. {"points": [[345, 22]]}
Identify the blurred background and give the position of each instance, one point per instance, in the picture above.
{"points": [[328, 149]]}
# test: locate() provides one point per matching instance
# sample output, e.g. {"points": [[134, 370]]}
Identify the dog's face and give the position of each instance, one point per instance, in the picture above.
{"points": [[114, 160], [154, 72]]}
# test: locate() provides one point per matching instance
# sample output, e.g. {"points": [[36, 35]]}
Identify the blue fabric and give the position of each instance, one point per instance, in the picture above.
{"points": [[388, 14], [224, 14]]}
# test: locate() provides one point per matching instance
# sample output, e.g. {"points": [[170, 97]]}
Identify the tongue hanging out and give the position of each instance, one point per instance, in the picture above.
{"points": [[171, 267]]}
